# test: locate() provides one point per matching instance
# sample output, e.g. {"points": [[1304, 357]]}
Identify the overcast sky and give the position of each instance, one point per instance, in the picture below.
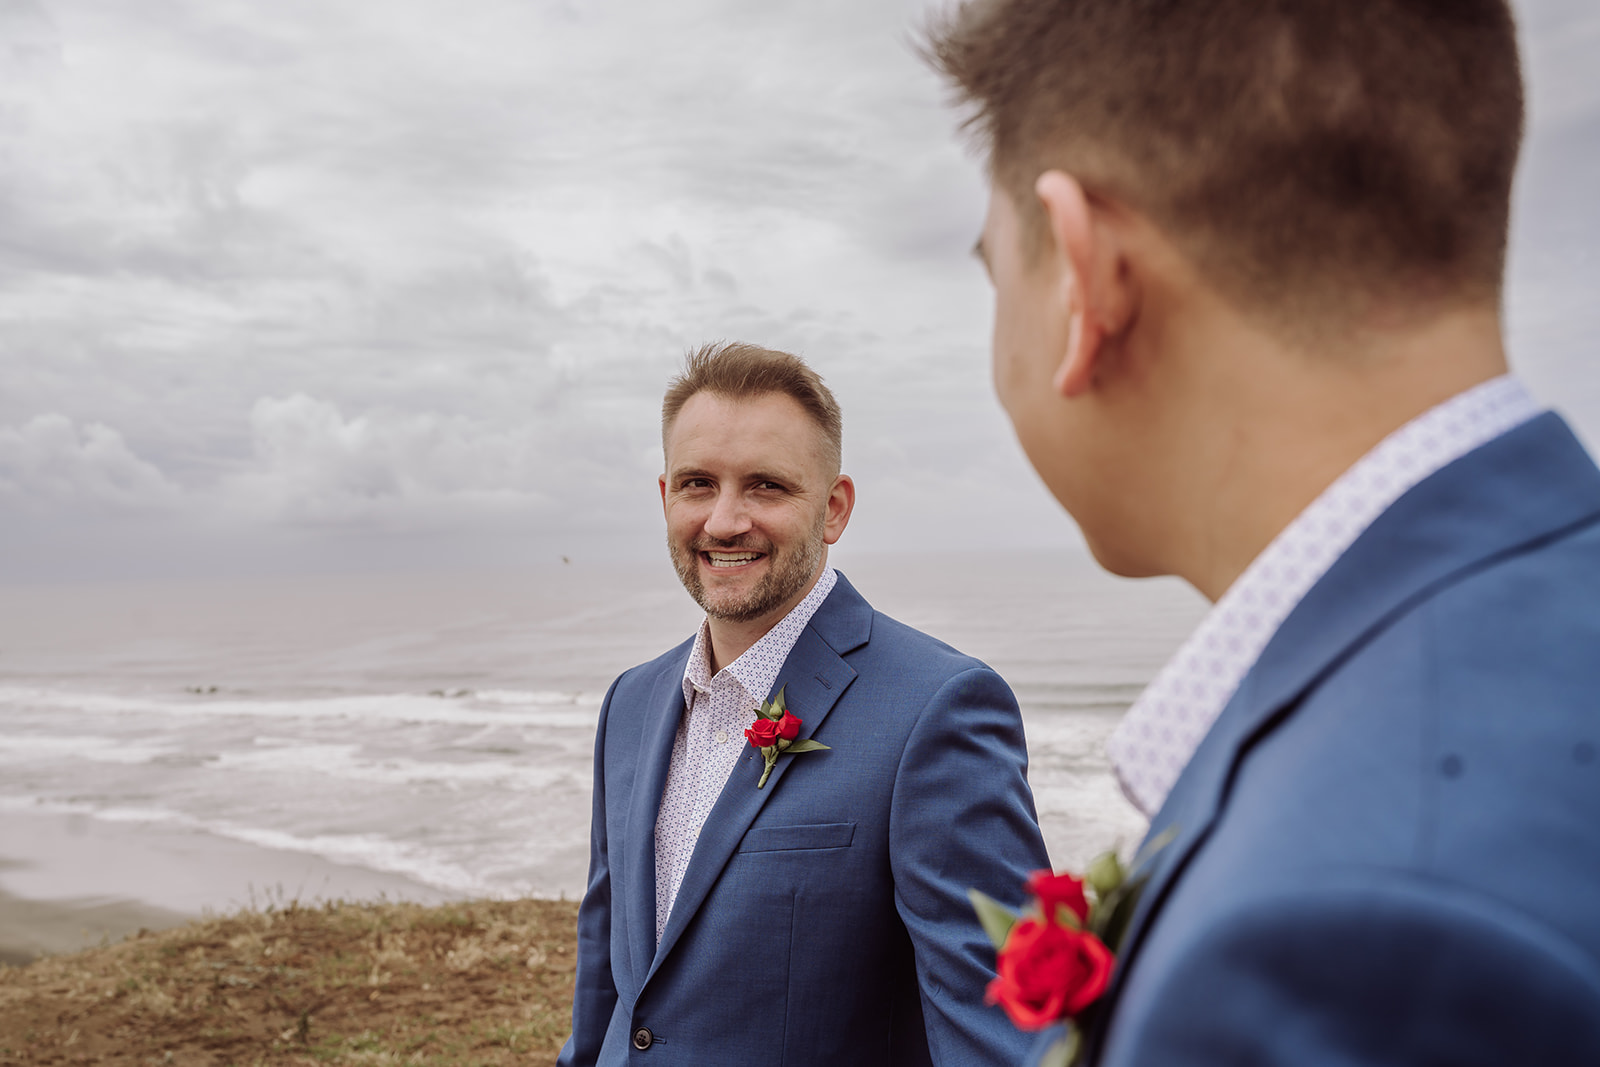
{"points": [[321, 284]]}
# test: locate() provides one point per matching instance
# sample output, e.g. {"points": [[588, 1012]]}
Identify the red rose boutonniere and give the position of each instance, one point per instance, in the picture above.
{"points": [[1056, 959], [773, 734]]}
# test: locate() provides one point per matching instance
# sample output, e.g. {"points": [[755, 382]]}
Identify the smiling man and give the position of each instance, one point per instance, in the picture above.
{"points": [[816, 913]]}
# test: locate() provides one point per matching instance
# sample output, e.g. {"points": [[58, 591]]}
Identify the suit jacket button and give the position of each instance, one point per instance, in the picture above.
{"points": [[643, 1038]]}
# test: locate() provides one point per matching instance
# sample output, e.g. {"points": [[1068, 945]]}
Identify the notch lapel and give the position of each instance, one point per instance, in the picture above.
{"points": [[813, 678], [1531, 484], [655, 759]]}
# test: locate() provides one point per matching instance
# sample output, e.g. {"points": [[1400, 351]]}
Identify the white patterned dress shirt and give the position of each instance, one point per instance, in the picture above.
{"points": [[711, 736], [1159, 735]]}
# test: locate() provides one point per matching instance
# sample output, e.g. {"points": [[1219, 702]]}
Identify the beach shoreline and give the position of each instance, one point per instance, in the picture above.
{"points": [[30, 929], [69, 882]]}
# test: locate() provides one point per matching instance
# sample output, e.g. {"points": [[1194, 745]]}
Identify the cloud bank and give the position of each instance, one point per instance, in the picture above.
{"points": [[371, 280], [49, 465]]}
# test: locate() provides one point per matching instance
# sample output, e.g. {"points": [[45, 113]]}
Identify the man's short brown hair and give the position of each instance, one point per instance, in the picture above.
{"points": [[738, 371], [1299, 151]]}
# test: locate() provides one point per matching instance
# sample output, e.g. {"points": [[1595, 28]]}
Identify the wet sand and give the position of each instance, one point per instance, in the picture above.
{"points": [[67, 882], [33, 928]]}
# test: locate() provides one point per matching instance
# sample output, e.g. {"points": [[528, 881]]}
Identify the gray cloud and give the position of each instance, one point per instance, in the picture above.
{"points": [[387, 281], [49, 464], [316, 465]]}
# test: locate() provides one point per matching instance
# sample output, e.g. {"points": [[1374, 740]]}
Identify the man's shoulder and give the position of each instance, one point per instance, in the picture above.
{"points": [[904, 668], [1518, 631], [1480, 590], [854, 627], [1457, 743], [895, 638], [1550, 588], [1495, 662]]}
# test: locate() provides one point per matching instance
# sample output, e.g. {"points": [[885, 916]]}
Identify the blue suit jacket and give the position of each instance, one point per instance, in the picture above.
{"points": [[1388, 846], [823, 920]]}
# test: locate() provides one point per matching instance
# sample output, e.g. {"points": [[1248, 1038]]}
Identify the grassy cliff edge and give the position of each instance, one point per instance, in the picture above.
{"points": [[474, 984]]}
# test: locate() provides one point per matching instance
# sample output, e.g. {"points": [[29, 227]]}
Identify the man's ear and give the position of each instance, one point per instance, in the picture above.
{"points": [[841, 502], [662, 481], [1099, 296]]}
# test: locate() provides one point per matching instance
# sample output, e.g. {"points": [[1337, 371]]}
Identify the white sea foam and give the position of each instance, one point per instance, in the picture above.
{"points": [[521, 698], [142, 815], [371, 851], [29, 747], [575, 710], [344, 762], [32, 804], [129, 754]]}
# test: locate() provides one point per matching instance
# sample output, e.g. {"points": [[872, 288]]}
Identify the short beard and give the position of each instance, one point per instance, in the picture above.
{"points": [[787, 576]]}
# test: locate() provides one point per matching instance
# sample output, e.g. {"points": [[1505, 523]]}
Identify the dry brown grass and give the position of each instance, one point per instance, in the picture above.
{"points": [[477, 984]]}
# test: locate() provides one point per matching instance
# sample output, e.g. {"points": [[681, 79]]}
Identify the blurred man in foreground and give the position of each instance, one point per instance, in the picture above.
{"points": [[790, 806], [1247, 259]]}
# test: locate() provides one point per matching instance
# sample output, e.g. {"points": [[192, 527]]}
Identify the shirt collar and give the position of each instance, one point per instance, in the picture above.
{"points": [[1161, 731], [757, 669]]}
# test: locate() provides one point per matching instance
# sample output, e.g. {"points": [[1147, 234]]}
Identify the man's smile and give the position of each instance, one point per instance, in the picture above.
{"points": [[725, 560]]}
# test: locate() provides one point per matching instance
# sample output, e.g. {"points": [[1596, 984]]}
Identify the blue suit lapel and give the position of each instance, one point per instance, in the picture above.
{"points": [[813, 678], [666, 711], [1531, 484]]}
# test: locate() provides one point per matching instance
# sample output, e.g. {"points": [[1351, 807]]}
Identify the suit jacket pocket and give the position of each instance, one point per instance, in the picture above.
{"points": [[794, 838]]}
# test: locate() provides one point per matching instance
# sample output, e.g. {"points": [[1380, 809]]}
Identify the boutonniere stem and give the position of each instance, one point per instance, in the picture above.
{"points": [[773, 734]]}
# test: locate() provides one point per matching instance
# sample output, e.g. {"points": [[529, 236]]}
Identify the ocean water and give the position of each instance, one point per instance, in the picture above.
{"points": [[440, 726]]}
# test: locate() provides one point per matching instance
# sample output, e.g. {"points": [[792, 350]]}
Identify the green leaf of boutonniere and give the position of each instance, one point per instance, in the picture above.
{"points": [[1154, 845], [995, 918], [807, 745], [1105, 874], [772, 709], [1064, 1052]]}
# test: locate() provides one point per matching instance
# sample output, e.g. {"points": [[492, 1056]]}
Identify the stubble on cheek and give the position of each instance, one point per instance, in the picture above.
{"points": [[787, 573]]}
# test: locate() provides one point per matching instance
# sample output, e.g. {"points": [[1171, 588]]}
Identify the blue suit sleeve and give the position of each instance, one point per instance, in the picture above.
{"points": [[1400, 975], [963, 818], [595, 996]]}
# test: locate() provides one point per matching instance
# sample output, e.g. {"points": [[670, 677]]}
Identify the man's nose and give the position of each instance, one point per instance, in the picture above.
{"points": [[729, 518]]}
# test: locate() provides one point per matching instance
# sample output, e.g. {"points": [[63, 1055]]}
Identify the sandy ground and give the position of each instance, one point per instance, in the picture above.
{"points": [[67, 882], [33, 928]]}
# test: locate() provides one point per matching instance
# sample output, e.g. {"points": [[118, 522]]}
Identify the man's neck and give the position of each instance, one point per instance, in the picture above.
{"points": [[730, 639], [1291, 423]]}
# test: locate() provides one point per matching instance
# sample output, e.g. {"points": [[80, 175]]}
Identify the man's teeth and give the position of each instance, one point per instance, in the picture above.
{"points": [[732, 559]]}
